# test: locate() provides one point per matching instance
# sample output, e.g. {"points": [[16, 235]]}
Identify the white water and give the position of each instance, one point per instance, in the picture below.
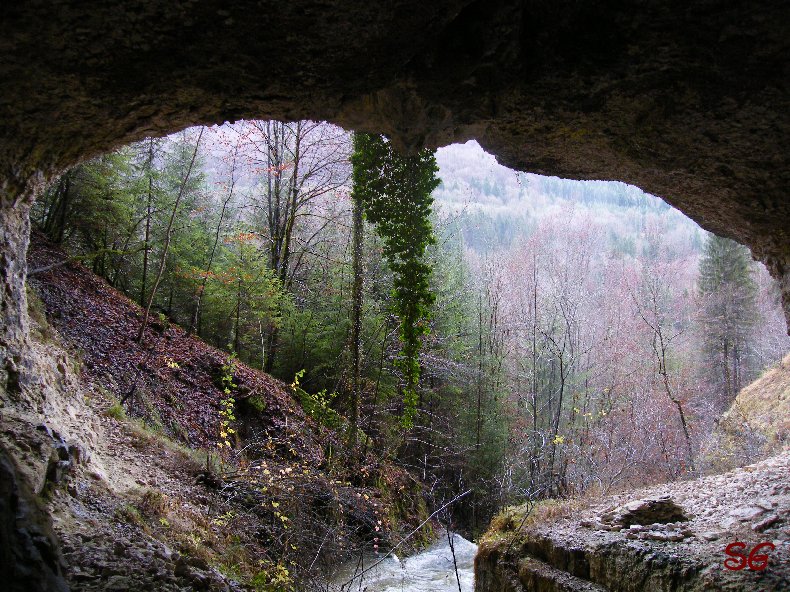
{"points": [[429, 571]]}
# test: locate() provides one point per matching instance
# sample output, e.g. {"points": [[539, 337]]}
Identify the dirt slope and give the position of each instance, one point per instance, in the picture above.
{"points": [[140, 497], [174, 380]]}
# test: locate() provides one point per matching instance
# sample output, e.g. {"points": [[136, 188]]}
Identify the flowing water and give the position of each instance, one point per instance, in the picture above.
{"points": [[430, 571]]}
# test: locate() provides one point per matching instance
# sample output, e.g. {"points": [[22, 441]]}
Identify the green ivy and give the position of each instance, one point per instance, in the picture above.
{"points": [[395, 190]]}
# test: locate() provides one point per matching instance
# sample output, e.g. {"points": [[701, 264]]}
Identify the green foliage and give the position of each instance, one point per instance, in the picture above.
{"points": [[116, 411], [257, 403], [318, 405], [227, 403], [274, 577], [729, 311], [395, 191]]}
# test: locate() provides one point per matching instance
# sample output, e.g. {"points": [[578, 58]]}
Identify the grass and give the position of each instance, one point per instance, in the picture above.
{"points": [[516, 519], [116, 411], [130, 514], [40, 328]]}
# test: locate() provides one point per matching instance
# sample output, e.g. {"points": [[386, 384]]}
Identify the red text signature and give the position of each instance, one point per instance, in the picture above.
{"points": [[755, 560]]}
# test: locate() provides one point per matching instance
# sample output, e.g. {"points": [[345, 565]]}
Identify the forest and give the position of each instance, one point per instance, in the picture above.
{"points": [[518, 336]]}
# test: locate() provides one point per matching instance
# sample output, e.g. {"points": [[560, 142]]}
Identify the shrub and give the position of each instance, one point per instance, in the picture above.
{"points": [[116, 411]]}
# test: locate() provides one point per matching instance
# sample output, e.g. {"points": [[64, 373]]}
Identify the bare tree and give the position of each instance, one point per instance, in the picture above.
{"points": [[296, 163], [168, 236]]}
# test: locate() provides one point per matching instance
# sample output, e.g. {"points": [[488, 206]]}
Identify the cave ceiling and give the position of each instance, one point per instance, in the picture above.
{"points": [[687, 100]]}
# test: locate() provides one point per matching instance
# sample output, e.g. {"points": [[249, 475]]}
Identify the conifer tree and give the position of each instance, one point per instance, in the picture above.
{"points": [[728, 312]]}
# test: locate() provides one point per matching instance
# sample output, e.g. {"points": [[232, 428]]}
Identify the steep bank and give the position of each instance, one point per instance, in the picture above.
{"points": [[756, 425], [622, 544], [137, 492]]}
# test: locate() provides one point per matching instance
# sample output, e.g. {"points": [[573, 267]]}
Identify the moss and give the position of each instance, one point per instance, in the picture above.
{"points": [[257, 403], [40, 328], [116, 411], [515, 519]]}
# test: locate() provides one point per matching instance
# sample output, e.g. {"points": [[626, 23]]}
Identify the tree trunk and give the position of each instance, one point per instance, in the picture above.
{"points": [[356, 318], [147, 239], [202, 288], [168, 234]]}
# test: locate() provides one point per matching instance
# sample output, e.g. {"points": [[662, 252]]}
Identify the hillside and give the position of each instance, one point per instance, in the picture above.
{"points": [[495, 206], [765, 404], [172, 381], [757, 423], [147, 499]]}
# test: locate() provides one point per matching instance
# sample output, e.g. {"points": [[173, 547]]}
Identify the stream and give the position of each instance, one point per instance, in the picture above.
{"points": [[429, 571]]}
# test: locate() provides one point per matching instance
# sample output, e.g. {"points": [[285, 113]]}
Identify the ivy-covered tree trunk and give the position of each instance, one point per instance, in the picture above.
{"points": [[356, 315], [396, 192]]}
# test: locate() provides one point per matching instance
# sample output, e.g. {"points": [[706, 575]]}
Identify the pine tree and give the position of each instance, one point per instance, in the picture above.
{"points": [[728, 312]]}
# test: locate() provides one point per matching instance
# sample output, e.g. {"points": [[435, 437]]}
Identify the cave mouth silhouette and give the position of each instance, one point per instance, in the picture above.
{"points": [[686, 102]]}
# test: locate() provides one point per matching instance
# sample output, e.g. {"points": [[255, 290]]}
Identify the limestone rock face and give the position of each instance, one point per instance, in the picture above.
{"points": [[598, 548], [686, 100], [650, 510]]}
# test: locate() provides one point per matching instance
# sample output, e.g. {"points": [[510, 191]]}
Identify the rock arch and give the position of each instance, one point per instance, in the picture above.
{"points": [[686, 100]]}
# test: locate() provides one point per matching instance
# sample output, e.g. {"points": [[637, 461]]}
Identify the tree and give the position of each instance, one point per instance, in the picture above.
{"points": [[230, 187], [652, 302], [356, 311], [728, 314], [168, 236], [396, 192], [295, 164]]}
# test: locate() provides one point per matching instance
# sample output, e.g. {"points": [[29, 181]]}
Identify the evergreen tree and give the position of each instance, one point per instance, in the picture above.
{"points": [[728, 312]]}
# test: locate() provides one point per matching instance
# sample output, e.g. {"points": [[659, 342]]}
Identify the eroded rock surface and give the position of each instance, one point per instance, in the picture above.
{"points": [[688, 100], [593, 549], [651, 510]]}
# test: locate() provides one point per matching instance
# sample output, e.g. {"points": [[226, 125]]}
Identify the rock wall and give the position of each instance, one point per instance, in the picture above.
{"points": [[756, 425], [688, 100], [14, 237], [668, 538], [29, 556]]}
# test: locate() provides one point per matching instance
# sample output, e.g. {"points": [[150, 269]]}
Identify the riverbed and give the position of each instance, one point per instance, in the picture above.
{"points": [[432, 570]]}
